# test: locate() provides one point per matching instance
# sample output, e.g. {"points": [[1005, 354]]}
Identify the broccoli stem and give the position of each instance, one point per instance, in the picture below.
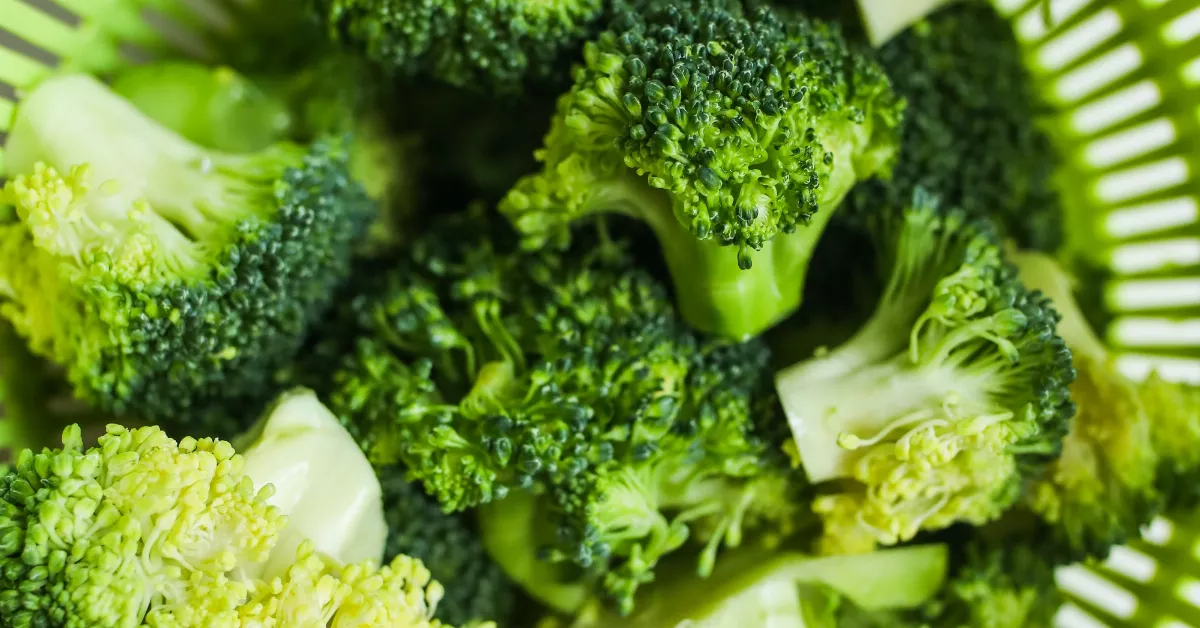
{"points": [[716, 289], [513, 530], [884, 19], [716, 295], [116, 159]]}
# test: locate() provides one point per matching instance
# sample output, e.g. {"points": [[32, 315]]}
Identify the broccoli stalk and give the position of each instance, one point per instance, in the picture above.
{"points": [[733, 138], [933, 411], [884, 19], [167, 278], [785, 590], [562, 383]]}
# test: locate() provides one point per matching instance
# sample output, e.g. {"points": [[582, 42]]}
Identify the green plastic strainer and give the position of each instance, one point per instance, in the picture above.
{"points": [[1125, 75]]}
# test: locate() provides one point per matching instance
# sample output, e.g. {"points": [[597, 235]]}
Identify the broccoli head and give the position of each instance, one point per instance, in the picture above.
{"points": [[733, 138], [168, 279], [139, 528], [562, 392], [494, 47], [1101, 490], [972, 131], [941, 404], [145, 530], [449, 546]]}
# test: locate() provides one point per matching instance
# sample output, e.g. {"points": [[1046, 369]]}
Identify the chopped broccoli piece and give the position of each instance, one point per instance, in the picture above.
{"points": [[733, 138], [144, 530], [168, 279], [942, 403], [998, 578], [972, 129], [320, 480], [566, 384], [1101, 490], [785, 590], [450, 548], [492, 47], [220, 109]]}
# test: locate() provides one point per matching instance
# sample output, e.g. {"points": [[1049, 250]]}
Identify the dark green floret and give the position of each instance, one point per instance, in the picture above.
{"points": [[493, 47], [167, 278], [561, 392], [944, 401], [732, 137]]}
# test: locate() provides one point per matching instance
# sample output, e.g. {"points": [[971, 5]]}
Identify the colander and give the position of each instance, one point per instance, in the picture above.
{"points": [[1124, 77]]}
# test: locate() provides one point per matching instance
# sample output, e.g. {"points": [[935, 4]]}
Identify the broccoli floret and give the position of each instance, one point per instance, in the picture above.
{"points": [[786, 590], [168, 279], [492, 47], [1101, 490], [565, 384], [972, 131], [942, 403], [450, 548], [220, 109], [998, 578], [733, 138], [144, 530], [1174, 408]]}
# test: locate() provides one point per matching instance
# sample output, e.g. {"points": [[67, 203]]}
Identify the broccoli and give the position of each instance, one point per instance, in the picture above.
{"points": [[220, 109], [450, 548], [562, 384], [998, 578], [168, 279], [490, 47], [942, 403], [145, 530], [1174, 408], [786, 590], [734, 138], [972, 131], [1101, 490]]}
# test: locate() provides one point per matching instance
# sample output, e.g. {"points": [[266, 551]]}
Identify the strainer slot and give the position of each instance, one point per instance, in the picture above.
{"points": [[1096, 74], [1141, 181], [1152, 218], [1165, 256], [1127, 144]]}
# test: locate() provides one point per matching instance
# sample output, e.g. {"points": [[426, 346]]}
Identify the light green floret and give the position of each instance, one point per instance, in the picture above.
{"points": [[144, 530], [733, 138], [166, 277], [935, 411]]}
